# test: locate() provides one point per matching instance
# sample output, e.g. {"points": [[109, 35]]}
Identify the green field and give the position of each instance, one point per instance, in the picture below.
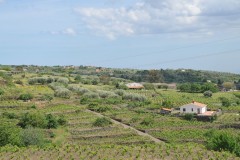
{"points": [[79, 138]]}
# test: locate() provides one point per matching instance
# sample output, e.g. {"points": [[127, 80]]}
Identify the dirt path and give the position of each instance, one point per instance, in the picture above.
{"points": [[129, 127]]}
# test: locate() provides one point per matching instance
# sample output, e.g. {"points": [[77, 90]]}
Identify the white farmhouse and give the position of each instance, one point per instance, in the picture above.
{"points": [[194, 107]]}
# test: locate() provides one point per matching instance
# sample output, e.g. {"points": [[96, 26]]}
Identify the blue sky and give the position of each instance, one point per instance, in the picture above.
{"points": [[144, 34]]}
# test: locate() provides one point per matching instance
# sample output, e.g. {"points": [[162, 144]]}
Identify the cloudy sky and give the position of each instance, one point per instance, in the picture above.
{"points": [[144, 34]]}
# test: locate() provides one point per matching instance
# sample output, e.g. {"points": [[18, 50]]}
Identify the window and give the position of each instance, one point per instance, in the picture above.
{"points": [[184, 109]]}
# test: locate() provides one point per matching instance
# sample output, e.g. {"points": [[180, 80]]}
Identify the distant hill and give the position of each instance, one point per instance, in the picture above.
{"points": [[154, 76]]}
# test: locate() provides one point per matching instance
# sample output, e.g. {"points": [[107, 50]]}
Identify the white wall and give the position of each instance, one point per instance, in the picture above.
{"points": [[189, 108]]}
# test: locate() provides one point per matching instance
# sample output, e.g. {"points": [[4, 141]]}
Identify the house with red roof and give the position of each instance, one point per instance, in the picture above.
{"points": [[194, 107]]}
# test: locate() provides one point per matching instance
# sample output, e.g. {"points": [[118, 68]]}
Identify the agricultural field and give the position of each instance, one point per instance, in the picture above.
{"points": [[88, 117]]}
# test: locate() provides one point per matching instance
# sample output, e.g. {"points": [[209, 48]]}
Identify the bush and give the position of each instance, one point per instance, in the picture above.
{"points": [[63, 80], [134, 97], [189, 116], [38, 120], [46, 97], [32, 136], [148, 86], [62, 93], [84, 100], [120, 92], [1, 92], [137, 104], [9, 115], [225, 102], [78, 89], [207, 94], [82, 91], [91, 95], [9, 134], [41, 80], [78, 78], [19, 82], [147, 121], [62, 120], [167, 104], [107, 94], [223, 140], [95, 82], [33, 120], [97, 108], [101, 122], [56, 85], [51, 121], [25, 97]]}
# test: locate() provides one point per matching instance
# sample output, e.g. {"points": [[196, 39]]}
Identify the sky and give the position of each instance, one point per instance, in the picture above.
{"points": [[140, 34]]}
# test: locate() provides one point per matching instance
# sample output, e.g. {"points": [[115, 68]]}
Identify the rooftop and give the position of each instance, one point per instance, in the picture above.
{"points": [[197, 104], [166, 109], [134, 85]]}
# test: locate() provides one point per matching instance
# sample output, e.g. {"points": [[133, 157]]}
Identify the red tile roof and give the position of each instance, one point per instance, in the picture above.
{"points": [[199, 104], [166, 109]]}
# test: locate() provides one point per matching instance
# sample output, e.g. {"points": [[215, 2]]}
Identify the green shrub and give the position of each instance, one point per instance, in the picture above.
{"points": [[107, 94], [148, 86], [189, 116], [9, 134], [147, 121], [223, 140], [167, 104], [62, 120], [207, 94], [225, 102], [78, 78], [32, 136], [51, 121], [1, 92], [120, 92], [33, 120], [25, 97], [101, 122], [63, 93], [41, 80], [95, 82], [56, 85], [98, 108], [84, 100], [38, 120], [46, 97], [82, 91], [134, 97], [63, 80], [9, 115], [91, 95], [19, 82]]}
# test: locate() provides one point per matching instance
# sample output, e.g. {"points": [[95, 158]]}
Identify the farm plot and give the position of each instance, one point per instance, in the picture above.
{"points": [[82, 131], [113, 151]]}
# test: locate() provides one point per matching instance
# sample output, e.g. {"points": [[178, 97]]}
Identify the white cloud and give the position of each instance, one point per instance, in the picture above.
{"points": [[67, 31], [154, 17]]}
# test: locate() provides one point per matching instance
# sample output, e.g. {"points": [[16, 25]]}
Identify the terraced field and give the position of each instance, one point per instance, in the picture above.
{"points": [[133, 118]]}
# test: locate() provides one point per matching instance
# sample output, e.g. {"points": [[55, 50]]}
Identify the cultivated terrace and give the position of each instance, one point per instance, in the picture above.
{"points": [[86, 112]]}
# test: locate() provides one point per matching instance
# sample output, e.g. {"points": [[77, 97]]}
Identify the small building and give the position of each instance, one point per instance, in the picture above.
{"points": [[134, 86], [194, 107], [166, 111]]}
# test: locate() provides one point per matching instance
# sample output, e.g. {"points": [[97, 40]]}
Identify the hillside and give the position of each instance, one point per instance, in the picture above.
{"points": [[88, 113], [167, 76]]}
